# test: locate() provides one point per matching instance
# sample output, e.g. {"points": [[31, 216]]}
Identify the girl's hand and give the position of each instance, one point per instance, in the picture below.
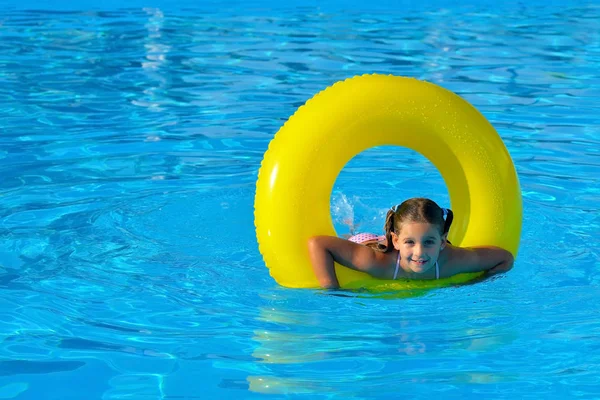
{"points": [[500, 268]]}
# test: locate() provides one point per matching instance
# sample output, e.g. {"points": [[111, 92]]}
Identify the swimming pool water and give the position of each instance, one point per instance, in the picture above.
{"points": [[130, 140]]}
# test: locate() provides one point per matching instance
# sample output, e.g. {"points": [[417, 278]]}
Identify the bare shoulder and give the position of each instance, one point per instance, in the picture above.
{"points": [[459, 260], [374, 262]]}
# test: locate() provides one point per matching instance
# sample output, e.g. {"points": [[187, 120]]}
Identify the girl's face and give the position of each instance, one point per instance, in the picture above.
{"points": [[419, 244]]}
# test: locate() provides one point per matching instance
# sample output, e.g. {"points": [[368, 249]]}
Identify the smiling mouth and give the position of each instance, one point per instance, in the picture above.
{"points": [[418, 261]]}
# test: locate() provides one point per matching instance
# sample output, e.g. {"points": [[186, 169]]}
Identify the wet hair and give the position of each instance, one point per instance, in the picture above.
{"points": [[415, 210]]}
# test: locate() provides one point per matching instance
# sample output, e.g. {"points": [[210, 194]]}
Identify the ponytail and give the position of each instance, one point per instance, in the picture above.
{"points": [[389, 228], [448, 216]]}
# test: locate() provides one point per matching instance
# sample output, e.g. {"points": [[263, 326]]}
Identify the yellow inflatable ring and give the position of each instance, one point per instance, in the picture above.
{"points": [[299, 169]]}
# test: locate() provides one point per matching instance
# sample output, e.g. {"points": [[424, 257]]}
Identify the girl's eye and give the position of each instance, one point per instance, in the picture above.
{"points": [[429, 242]]}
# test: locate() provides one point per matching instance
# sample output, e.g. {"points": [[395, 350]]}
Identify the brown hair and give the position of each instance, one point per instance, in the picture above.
{"points": [[415, 210]]}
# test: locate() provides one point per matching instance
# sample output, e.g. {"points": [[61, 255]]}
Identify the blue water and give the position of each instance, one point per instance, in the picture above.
{"points": [[130, 141]]}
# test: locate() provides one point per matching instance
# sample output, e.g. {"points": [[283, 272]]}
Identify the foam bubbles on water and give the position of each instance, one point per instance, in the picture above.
{"points": [[352, 215], [342, 211]]}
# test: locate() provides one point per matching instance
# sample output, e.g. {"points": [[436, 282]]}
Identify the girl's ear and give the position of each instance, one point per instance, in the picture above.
{"points": [[444, 241], [396, 241]]}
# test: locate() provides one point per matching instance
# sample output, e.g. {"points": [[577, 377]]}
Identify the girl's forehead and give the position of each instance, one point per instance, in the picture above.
{"points": [[419, 229]]}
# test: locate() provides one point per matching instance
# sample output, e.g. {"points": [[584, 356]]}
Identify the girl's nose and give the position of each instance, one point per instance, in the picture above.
{"points": [[417, 250]]}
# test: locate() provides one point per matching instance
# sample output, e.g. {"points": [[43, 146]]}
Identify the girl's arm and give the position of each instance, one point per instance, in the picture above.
{"points": [[493, 260], [325, 250]]}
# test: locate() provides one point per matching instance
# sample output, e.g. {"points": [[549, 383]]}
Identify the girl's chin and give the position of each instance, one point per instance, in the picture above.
{"points": [[419, 268]]}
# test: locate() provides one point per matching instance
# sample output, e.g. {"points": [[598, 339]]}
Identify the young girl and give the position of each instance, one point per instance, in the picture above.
{"points": [[415, 247]]}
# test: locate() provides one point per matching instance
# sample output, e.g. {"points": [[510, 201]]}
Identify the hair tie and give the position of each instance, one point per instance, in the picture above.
{"points": [[444, 213]]}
